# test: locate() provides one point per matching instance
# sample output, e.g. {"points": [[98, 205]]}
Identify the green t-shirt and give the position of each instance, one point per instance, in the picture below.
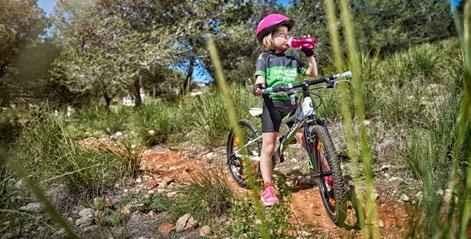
{"points": [[278, 69]]}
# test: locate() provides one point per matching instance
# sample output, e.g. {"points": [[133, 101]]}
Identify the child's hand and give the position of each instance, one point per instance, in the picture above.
{"points": [[308, 51], [257, 89]]}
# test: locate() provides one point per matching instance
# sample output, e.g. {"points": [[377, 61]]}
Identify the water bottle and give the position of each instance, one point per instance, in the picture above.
{"points": [[292, 97], [307, 106], [303, 42]]}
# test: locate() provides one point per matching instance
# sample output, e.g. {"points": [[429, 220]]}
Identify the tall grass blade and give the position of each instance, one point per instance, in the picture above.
{"points": [[463, 121], [221, 82], [372, 216], [39, 194], [347, 116]]}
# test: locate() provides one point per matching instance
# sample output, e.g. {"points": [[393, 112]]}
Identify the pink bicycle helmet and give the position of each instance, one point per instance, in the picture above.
{"points": [[270, 22]]}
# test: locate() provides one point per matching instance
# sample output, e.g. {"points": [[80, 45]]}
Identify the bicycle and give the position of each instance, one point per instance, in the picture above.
{"points": [[319, 147]]}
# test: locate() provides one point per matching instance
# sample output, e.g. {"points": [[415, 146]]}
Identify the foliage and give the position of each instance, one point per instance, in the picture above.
{"points": [[209, 117], [155, 123], [382, 27], [156, 202], [205, 197], [21, 22], [244, 223], [52, 156]]}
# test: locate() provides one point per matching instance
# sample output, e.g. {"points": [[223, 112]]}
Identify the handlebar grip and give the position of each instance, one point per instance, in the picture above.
{"points": [[278, 88]]}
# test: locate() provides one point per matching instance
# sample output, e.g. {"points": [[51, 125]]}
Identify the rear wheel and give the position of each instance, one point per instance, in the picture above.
{"points": [[333, 189], [236, 154]]}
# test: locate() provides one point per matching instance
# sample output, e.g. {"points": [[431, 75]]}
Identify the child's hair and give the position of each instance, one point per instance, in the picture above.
{"points": [[267, 42]]}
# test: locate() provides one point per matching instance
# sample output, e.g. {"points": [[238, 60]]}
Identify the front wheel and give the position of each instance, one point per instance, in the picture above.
{"points": [[236, 154], [332, 186]]}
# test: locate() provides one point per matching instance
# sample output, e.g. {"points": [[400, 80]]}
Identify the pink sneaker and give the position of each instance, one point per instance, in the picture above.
{"points": [[269, 196]]}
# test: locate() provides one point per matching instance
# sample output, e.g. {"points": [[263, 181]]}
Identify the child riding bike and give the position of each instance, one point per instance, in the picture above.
{"points": [[273, 67]]}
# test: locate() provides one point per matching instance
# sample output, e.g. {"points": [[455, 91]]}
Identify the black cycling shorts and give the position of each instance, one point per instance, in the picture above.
{"points": [[273, 112]]}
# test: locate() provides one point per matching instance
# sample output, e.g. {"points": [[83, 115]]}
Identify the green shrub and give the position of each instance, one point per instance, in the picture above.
{"points": [[206, 196], [96, 121], [245, 223], [208, 114], [156, 202], [155, 123], [53, 157]]}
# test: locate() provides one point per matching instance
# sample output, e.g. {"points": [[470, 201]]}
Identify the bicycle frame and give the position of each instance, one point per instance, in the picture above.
{"points": [[304, 117], [301, 121]]}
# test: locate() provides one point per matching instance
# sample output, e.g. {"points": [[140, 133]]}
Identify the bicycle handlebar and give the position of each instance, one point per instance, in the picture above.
{"points": [[330, 80]]}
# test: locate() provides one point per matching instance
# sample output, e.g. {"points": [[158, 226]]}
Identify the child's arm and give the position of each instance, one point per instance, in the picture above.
{"points": [[259, 85], [312, 66]]}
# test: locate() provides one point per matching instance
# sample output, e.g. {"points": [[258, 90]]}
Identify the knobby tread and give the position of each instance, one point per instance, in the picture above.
{"points": [[340, 188]]}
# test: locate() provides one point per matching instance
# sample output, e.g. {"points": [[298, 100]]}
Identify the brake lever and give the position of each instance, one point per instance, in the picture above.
{"points": [[330, 83]]}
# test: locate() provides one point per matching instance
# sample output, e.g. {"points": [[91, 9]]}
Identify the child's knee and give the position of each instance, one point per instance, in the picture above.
{"points": [[268, 147]]}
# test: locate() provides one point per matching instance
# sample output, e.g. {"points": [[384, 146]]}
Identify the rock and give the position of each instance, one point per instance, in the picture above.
{"points": [[185, 222], [165, 228], [165, 182], [210, 155], [20, 184], [32, 207], [84, 222], [419, 196], [60, 233], [305, 234], [152, 183], [381, 223], [86, 218], [138, 180], [404, 198], [205, 231], [385, 167], [395, 179], [86, 212], [171, 194]]}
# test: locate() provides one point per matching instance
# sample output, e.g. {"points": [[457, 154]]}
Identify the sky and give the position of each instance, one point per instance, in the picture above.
{"points": [[47, 5], [199, 74]]}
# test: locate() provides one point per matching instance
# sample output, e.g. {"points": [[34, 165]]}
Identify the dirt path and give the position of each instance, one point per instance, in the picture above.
{"points": [[306, 204]]}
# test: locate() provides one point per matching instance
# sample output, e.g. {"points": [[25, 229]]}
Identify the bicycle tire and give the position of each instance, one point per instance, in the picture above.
{"points": [[234, 162], [334, 201]]}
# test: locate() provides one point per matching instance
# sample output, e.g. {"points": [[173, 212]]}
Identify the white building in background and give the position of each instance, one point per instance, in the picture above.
{"points": [[131, 100]]}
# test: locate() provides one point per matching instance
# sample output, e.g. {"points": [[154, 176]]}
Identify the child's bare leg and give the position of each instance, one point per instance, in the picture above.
{"points": [[300, 138], [268, 146]]}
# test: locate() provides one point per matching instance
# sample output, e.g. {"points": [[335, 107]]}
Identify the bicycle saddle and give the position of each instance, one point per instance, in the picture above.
{"points": [[255, 112]]}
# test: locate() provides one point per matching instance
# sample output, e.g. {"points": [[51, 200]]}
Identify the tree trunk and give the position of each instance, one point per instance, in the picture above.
{"points": [[186, 84], [137, 91], [107, 101]]}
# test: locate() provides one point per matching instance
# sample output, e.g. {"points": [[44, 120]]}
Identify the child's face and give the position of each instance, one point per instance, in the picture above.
{"points": [[280, 39]]}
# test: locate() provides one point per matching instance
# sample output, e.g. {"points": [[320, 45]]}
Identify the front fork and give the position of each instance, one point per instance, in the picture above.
{"points": [[309, 139]]}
